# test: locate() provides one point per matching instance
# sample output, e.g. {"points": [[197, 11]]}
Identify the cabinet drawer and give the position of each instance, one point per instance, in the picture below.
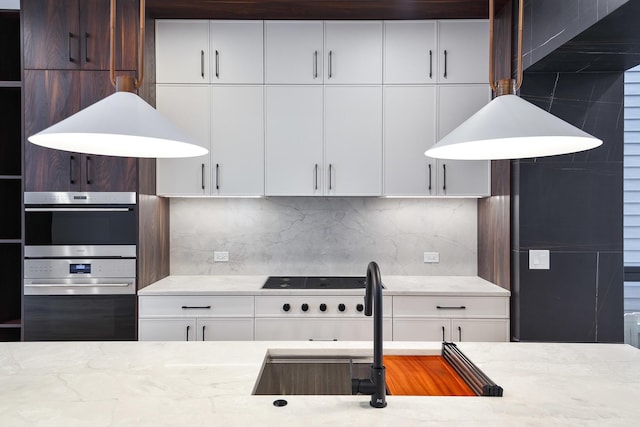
{"points": [[449, 306], [196, 306], [273, 329]]}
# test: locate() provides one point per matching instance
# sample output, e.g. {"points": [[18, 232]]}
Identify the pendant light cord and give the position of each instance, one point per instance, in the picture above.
{"points": [[112, 46], [492, 79]]}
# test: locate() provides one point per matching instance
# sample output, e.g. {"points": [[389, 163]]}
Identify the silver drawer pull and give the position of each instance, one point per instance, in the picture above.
{"points": [[444, 307], [193, 307], [76, 285]]}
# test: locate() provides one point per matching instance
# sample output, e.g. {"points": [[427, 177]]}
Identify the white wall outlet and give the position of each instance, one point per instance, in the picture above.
{"points": [[539, 259], [432, 257], [220, 256]]}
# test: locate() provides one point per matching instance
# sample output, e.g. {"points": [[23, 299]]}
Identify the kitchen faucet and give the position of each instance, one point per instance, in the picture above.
{"points": [[376, 384]]}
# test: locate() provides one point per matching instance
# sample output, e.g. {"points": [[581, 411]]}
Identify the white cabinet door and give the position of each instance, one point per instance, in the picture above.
{"points": [[167, 329], [336, 329], [225, 329], [408, 329], [410, 53], [409, 130], [293, 52], [464, 51], [353, 140], [236, 52], [461, 177], [294, 140], [480, 330], [188, 107], [182, 51], [237, 141], [353, 52]]}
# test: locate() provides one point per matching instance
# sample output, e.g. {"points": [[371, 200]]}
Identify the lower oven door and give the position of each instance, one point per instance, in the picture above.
{"points": [[79, 317]]}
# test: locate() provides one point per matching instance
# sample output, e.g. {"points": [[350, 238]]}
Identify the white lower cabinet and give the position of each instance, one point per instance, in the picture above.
{"points": [[195, 318], [450, 318], [335, 329]]}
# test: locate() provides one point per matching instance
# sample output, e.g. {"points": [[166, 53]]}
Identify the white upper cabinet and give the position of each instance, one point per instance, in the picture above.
{"points": [[410, 52], [236, 52], [462, 177], [463, 55], [353, 52], [409, 130], [188, 107], [294, 52], [353, 141], [294, 140], [237, 141], [182, 51]]}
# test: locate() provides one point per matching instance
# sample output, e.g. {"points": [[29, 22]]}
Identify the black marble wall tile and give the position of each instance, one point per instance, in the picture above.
{"points": [[550, 24], [610, 297], [559, 304], [570, 206]]}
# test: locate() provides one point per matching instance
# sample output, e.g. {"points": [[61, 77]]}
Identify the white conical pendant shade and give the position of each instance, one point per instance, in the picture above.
{"points": [[509, 127], [122, 124]]}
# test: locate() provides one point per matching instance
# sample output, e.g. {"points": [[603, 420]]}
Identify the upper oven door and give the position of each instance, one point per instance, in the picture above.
{"points": [[88, 221]]}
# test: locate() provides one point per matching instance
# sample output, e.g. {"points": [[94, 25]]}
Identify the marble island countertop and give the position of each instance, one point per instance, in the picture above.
{"points": [[251, 285], [210, 384]]}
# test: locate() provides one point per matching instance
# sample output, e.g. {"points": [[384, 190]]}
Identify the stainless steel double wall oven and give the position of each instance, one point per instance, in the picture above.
{"points": [[80, 266]]}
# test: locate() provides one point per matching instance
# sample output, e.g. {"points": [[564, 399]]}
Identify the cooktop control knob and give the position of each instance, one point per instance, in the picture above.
{"points": [[286, 307], [359, 307], [323, 307], [341, 307], [305, 307]]}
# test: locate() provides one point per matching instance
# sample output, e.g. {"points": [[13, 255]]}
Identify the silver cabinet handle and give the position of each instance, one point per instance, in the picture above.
{"points": [[315, 182], [188, 327], [429, 177], [77, 285], [444, 177], [330, 63], [217, 64], [77, 209], [202, 174], [430, 63], [217, 176], [445, 64], [315, 64], [202, 63]]}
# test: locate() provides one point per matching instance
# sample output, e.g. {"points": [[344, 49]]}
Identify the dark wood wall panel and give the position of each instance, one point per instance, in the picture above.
{"points": [[153, 239], [494, 213], [321, 9]]}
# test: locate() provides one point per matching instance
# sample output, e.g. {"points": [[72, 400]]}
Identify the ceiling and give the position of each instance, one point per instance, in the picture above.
{"points": [[320, 9]]}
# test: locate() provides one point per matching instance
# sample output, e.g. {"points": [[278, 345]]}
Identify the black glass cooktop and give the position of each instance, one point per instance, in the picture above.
{"points": [[314, 282]]}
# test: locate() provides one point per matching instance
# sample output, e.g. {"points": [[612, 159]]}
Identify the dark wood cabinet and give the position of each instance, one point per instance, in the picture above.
{"points": [[74, 34], [50, 96]]}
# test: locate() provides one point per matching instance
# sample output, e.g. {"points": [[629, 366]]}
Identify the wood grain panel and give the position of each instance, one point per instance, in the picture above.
{"points": [[153, 239], [423, 376], [494, 213], [320, 9]]}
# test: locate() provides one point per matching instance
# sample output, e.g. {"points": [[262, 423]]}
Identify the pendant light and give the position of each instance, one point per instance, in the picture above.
{"points": [[509, 127], [122, 124]]}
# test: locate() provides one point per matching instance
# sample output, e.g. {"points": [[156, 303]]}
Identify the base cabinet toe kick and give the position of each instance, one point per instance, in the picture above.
{"points": [[321, 318]]}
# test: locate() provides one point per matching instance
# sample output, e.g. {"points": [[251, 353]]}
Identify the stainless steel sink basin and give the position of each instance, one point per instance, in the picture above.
{"points": [[303, 375]]}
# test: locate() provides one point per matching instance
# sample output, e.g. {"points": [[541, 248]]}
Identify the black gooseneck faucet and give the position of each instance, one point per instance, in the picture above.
{"points": [[376, 384]]}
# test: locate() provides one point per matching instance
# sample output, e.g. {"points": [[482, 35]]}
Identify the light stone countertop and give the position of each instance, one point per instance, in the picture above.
{"points": [[251, 285], [210, 383]]}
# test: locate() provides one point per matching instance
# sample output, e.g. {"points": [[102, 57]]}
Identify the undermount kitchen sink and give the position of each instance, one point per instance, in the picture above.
{"points": [[310, 375]]}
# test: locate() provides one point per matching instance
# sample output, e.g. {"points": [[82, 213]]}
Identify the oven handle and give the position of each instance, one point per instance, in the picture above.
{"points": [[77, 209], [77, 285]]}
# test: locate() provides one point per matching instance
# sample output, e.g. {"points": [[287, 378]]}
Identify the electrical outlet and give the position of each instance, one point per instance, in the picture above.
{"points": [[220, 256], [432, 257], [539, 260]]}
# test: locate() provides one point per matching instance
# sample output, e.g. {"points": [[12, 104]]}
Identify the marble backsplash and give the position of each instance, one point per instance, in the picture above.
{"points": [[323, 236]]}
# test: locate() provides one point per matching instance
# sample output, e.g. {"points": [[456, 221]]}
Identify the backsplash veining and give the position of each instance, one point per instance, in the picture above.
{"points": [[323, 236]]}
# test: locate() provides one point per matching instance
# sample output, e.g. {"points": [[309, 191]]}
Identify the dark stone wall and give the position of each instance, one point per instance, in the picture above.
{"points": [[572, 204]]}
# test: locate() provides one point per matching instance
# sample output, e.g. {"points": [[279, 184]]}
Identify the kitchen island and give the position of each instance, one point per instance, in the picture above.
{"points": [[210, 384]]}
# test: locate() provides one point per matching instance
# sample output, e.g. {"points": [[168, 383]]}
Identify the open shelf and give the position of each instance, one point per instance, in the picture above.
{"points": [[10, 46], [11, 136], [11, 213], [10, 284]]}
